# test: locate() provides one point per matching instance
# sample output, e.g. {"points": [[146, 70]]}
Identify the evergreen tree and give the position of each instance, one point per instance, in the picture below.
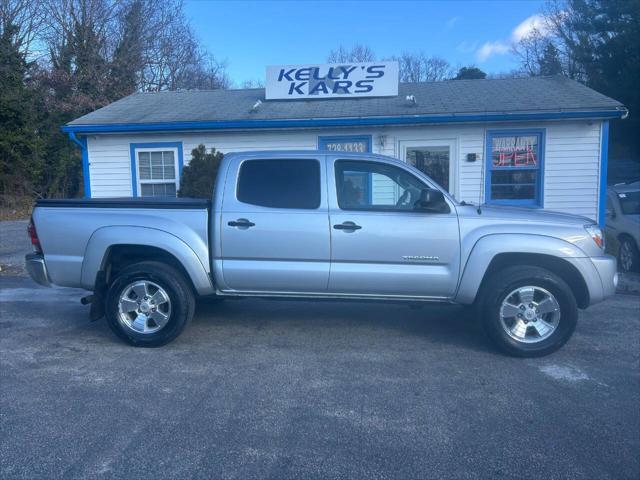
{"points": [[604, 38], [199, 177], [20, 163], [550, 61], [127, 63], [470, 73]]}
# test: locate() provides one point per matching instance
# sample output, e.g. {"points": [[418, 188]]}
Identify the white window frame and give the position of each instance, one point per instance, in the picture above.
{"points": [[452, 143], [141, 182]]}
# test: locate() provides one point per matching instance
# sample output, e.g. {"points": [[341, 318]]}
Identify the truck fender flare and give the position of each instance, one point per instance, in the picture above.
{"points": [[487, 247], [104, 238]]}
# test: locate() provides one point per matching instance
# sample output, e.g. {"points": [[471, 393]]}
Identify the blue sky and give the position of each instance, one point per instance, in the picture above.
{"points": [[252, 35]]}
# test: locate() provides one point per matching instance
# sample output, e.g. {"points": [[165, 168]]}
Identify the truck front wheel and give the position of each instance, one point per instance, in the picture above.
{"points": [[149, 304], [528, 311]]}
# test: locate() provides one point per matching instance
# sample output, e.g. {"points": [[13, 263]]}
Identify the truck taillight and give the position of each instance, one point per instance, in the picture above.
{"points": [[33, 235]]}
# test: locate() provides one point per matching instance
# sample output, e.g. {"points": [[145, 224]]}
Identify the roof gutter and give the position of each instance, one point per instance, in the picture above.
{"points": [[340, 122]]}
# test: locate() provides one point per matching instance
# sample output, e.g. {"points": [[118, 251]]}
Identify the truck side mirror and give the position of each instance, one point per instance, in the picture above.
{"points": [[432, 200]]}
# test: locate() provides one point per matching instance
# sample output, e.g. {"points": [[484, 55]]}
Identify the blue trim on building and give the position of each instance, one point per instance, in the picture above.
{"points": [[82, 143], [134, 170], [539, 200], [339, 122], [604, 161]]}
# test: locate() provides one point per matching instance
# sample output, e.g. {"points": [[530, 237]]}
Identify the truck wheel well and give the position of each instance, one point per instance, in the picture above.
{"points": [[622, 236], [121, 256], [560, 267]]}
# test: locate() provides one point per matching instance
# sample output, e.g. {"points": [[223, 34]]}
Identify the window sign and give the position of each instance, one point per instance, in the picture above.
{"points": [[514, 170], [515, 151], [357, 144]]}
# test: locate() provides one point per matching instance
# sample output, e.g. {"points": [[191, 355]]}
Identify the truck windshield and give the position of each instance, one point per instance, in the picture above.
{"points": [[630, 203]]}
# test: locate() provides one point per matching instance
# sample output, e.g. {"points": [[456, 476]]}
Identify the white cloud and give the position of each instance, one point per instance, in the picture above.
{"points": [[491, 48], [524, 28], [452, 21]]}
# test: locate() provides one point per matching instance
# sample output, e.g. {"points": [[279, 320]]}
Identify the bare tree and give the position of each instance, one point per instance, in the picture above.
{"points": [[550, 49], [207, 73], [26, 18], [357, 53], [173, 56], [252, 84], [417, 67]]}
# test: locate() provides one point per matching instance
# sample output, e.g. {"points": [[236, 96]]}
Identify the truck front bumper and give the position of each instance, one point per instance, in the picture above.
{"points": [[607, 268], [37, 269]]}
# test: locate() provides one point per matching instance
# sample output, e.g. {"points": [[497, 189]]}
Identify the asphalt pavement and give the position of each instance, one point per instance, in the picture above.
{"points": [[14, 244], [275, 389]]}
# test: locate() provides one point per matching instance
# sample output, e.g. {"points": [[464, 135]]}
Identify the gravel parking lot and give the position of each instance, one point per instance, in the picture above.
{"points": [[259, 389]]}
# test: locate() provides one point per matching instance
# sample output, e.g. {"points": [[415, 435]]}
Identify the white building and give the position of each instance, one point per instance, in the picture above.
{"points": [[538, 142]]}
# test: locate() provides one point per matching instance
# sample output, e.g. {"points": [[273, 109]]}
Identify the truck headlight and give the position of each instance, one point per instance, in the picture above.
{"points": [[596, 234]]}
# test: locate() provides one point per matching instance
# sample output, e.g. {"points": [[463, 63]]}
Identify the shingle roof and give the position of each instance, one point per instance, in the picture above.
{"points": [[512, 95]]}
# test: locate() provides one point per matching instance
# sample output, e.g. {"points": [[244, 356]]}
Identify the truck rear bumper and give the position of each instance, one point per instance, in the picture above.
{"points": [[37, 269]]}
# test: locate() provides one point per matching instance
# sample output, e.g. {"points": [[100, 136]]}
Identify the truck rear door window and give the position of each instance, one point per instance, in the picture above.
{"points": [[280, 183]]}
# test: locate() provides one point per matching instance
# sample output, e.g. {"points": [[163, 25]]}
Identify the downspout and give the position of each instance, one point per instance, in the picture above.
{"points": [[604, 161], [82, 143]]}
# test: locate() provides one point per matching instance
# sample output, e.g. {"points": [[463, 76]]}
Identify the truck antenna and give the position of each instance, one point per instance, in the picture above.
{"points": [[482, 167]]}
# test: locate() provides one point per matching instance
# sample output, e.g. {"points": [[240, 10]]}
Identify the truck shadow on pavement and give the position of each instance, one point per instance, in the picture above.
{"points": [[247, 322], [299, 323]]}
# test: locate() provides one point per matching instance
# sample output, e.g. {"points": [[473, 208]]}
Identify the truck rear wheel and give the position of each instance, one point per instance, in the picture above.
{"points": [[149, 304], [528, 311]]}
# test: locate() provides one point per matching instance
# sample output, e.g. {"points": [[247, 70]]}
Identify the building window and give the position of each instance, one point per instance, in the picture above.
{"points": [[435, 158], [280, 183], [156, 169], [346, 143], [514, 167]]}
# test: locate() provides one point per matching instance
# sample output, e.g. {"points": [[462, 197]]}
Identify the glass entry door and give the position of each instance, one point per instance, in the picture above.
{"points": [[435, 158]]}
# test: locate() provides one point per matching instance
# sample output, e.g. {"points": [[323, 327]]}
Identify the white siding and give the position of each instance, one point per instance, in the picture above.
{"points": [[571, 173]]}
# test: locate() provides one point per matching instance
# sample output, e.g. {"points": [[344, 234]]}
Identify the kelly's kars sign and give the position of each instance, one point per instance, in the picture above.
{"points": [[373, 79]]}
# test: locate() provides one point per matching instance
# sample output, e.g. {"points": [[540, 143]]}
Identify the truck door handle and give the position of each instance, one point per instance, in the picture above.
{"points": [[242, 223], [347, 226]]}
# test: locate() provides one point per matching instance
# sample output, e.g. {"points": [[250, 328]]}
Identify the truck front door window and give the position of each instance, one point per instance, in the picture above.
{"points": [[376, 186]]}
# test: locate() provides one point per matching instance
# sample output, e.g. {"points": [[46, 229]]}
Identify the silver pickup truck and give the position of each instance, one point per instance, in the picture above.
{"points": [[310, 224]]}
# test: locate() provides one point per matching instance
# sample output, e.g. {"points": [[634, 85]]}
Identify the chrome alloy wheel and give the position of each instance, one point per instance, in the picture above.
{"points": [[144, 307], [530, 314]]}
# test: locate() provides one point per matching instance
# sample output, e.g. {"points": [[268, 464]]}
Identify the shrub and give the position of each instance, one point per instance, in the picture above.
{"points": [[199, 177]]}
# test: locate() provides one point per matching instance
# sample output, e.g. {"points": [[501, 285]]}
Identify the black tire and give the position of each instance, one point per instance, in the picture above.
{"points": [[632, 262], [502, 284], [180, 293]]}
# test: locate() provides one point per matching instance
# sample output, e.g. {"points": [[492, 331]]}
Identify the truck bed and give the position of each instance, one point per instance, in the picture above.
{"points": [[77, 234]]}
